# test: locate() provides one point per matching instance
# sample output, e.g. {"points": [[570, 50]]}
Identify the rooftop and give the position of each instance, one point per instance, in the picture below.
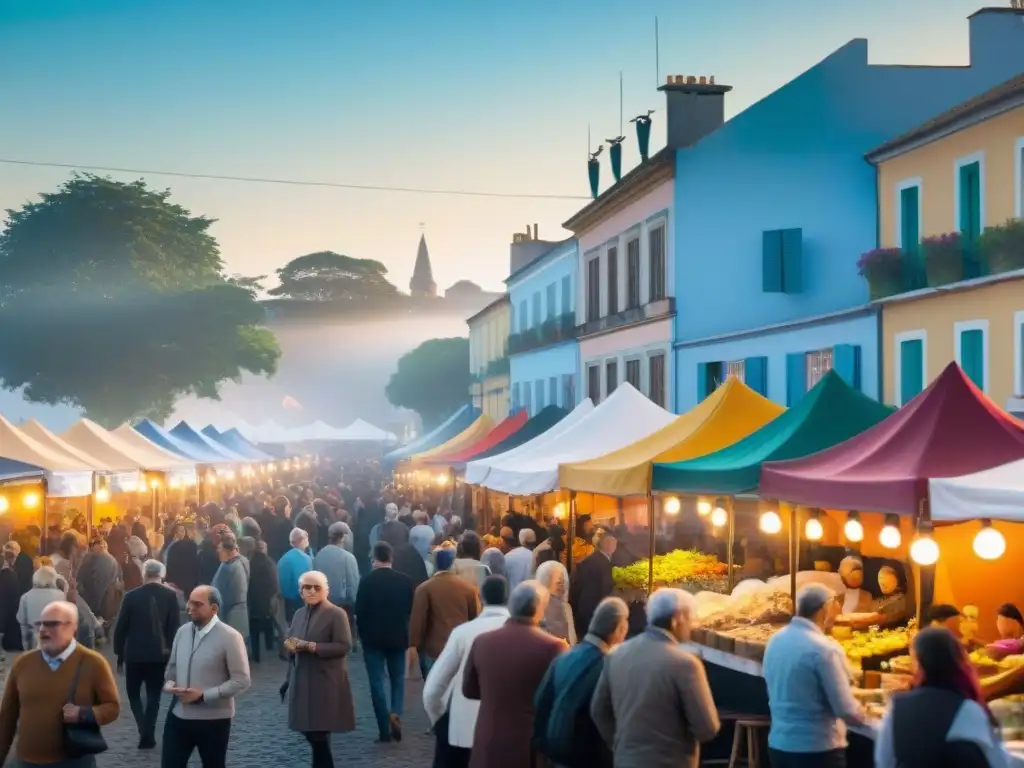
{"points": [[503, 299]]}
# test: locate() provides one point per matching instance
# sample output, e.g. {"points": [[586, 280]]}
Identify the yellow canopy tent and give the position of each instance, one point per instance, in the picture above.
{"points": [[731, 413], [464, 439]]}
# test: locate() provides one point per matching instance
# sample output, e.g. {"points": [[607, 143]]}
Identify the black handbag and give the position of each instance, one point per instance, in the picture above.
{"points": [[82, 739]]}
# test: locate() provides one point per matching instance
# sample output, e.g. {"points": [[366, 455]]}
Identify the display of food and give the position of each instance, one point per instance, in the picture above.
{"points": [[687, 569], [986, 665], [754, 608], [875, 642], [1009, 713], [580, 550]]}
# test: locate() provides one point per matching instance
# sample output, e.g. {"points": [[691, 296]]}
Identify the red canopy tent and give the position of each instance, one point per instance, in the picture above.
{"points": [[950, 429], [505, 429]]}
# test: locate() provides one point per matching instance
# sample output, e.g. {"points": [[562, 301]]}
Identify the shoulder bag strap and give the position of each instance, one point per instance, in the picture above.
{"points": [[74, 683]]}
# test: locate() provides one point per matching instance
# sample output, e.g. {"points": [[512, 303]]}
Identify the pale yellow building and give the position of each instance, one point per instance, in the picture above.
{"points": [[488, 358], [958, 297]]}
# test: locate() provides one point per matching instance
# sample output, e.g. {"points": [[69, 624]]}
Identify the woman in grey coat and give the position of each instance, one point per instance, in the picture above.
{"points": [[232, 581], [319, 694]]}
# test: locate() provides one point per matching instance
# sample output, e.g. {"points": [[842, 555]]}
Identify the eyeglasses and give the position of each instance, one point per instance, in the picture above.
{"points": [[311, 587], [50, 624]]}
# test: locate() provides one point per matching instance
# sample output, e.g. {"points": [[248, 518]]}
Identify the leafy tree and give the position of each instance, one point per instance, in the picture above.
{"points": [[330, 276], [432, 379], [112, 299], [252, 284]]}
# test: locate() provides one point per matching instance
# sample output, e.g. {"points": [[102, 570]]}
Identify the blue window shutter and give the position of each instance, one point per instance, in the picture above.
{"points": [[911, 369], [702, 382], [972, 356], [792, 260], [910, 223], [771, 261], [846, 362], [755, 374], [970, 201], [796, 377]]}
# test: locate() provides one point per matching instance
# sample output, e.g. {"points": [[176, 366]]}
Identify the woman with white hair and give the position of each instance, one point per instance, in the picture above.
{"points": [[132, 570], [45, 590], [557, 619]]}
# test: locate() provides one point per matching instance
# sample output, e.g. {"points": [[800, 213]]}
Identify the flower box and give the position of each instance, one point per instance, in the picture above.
{"points": [[943, 259], [1002, 247], [883, 269]]}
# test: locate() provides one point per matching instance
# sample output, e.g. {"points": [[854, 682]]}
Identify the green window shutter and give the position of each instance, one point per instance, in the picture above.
{"points": [[771, 261], [755, 374], [702, 382], [792, 260], [970, 201], [846, 362], [911, 369], [910, 223], [796, 377], [972, 356]]}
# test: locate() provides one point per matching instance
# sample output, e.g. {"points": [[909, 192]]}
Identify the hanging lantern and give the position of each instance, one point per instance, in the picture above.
{"points": [[890, 536], [719, 517], [770, 522], [813, 529], [854, 530], [989, 544], [923, 549], [703, 507]]}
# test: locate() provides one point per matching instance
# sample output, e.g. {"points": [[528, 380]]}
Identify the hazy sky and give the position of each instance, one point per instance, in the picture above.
{"points": [[447, 94]]}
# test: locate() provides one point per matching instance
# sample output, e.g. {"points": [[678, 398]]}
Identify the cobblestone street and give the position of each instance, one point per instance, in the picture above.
{"points": [[260, 735]]}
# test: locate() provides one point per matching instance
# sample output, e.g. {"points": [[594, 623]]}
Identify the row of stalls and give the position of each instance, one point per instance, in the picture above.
{"points": [[742, 502]]}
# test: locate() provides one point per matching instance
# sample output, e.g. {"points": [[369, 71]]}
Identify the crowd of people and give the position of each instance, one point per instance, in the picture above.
{"points": [[522, 665]]}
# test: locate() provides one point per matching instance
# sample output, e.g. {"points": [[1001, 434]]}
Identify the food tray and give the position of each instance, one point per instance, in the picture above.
{"points": [[699, 635]]}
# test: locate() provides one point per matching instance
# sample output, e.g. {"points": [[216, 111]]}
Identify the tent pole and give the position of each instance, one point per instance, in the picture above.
{"points": [[794, 553], [650, 543], [730, 542], [570, 534]]}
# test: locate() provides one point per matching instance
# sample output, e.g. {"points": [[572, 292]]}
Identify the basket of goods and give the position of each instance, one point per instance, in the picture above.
{"points": [[869, 649], [682, 568], [699, 635], [750, 642], [763, 607]]}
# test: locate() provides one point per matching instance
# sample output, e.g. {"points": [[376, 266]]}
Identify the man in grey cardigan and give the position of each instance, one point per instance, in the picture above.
{"points": [[207, 670]]}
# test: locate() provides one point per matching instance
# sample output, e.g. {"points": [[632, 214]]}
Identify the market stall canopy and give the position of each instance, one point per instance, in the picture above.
{"points": [[18, 470], [360, 431], [548, 417], [992, 494], [234, 442], [624, 417], [474, 432], [267, 432], [184, 431], [40, 433], [505, 429], [89, 437], [479, 468], [831, 412], [169, 459], [950, 429], [731, 413], [452, 426], [157, 434], [66, 476]]}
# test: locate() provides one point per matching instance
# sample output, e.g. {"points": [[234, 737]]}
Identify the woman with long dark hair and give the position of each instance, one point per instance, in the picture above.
{"points": [[943, 721]]}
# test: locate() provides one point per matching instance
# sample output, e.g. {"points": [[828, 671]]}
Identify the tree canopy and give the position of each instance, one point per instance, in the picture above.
{"points": [[112, 299], [330, 276], [432, 379]]}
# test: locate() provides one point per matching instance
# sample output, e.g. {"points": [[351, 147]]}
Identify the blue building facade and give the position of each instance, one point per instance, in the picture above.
{"points": [[774, 208], [543, 352]]}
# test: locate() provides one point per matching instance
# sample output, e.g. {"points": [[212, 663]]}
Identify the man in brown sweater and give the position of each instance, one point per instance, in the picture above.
{"points": [[36, 697], [441, 603]]}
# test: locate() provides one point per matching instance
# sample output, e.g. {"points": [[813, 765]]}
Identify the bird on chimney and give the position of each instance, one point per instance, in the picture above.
{"points": [[597, 154], [643, 118], [616, 140]]}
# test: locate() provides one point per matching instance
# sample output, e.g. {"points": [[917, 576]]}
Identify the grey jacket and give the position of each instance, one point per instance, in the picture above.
{"points": [[216, 663], [232, 581]]}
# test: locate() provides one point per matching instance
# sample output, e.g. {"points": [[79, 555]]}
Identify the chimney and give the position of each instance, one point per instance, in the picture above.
{"points": [[695, 106], [997, 35]]}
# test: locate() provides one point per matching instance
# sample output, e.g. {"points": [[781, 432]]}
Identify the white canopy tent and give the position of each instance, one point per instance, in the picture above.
{"points": [[993, 494], [67, 477], [625, 417], [360, 431], [38, 432], [90, 437], [476, 471]]}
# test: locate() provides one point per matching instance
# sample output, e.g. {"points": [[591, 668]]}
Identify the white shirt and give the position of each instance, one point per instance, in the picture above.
{"points": [[518, 567], [443, 688], [55, 662], [201, 633]]}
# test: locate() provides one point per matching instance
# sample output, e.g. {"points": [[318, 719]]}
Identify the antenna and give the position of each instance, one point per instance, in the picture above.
{"points": [[620, 102], [657, 55], [588, 141]]}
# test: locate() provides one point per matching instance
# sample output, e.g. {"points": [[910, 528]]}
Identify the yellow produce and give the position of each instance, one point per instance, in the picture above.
{"points": [[677, 567], [875, 643]]}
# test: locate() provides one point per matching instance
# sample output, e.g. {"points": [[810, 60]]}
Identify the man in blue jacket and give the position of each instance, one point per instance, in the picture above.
{"points": [[290, 568], [564, 730]]}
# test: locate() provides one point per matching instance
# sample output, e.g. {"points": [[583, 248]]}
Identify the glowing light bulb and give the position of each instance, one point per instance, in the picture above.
{"points": [[703, 507], [890, 537], [229, 475], [4, 504], [154, 483], [671, 506], [442, 479], [559, 510], [853, 530], [771, 522], [31, 499], [719, 517], [989, 544], [813, 530], [174, 482], [924, 550], [102, 495]]}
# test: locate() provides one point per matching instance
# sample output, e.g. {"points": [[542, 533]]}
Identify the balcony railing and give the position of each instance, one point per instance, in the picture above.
{"points": [[496, 367], [554, 331], [654, 310]]}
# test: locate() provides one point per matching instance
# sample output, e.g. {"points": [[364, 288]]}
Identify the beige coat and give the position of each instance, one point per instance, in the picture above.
{"points": [[653, 704], [319, 693]]}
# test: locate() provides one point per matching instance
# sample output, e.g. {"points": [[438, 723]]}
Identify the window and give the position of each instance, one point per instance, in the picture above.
{"points": [[818, 362], [613, 280], [611, 376], [1018, 354], [910, 365], [737, 368], [796, 377], [782, 261], [549, 310], [633, 373], [656, 249], [908, 215], [515, 396], [633, 273], [593, 289], [528, 397], [594, 383], [535, 310], [709, 378], [568, 390], [538, 394], [657, 379], [524, 316], [970, 340], [566, 295], [553, 390], [969, 202]]}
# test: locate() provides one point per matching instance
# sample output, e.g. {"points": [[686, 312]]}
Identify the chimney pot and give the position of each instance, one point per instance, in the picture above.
{"points": [[712, 80], [669, 79], [535, 235], [680, 79], [691, 80], [703, 80]]}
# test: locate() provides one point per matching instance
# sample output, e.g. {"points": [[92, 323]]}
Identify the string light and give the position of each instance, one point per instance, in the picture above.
{"points": [[703, 507], [923, 549], [989, 544], [672, 506], [813, 529], [771, 523], [719, 517], [890, 536], [853, 529]]}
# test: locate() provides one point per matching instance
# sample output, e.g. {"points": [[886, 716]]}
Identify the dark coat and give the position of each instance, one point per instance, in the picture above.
{"points": [[563, 729], [263, 586], [591, 583], [146, 624], [383, 608], [182, 561], [394, 533], [209, 561], [503, 671], [405, 559], [319, 693], [10, 596]]}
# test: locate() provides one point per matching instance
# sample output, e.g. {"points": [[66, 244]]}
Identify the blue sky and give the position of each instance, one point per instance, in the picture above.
{"points": [[448, 94]]}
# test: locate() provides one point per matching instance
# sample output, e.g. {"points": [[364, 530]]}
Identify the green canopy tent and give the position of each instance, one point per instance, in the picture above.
{"points": [[827, 415]]}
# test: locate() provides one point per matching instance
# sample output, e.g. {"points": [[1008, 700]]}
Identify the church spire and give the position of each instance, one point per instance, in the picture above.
{"points": [[422, 283]]}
